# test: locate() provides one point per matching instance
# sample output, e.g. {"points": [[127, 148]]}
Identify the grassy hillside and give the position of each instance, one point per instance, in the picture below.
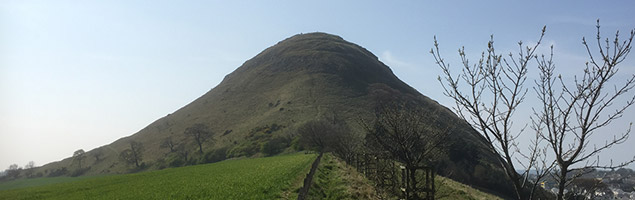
{"points": [[260, 178], [336, 180], [256, 111]]}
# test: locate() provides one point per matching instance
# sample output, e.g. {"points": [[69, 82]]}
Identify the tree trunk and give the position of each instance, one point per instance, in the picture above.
{"points": [[429, 185], [200, 148], [562, 182], [518, 188], [136, 157], [413, 183]]}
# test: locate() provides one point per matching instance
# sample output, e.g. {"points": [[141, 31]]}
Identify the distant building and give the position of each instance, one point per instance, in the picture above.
{"points": [[620, 194], [554, 190], [542, 184]]}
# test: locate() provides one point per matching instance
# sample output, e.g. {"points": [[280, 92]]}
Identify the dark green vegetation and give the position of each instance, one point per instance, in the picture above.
{"points": [[257, 109], [260, 178]]}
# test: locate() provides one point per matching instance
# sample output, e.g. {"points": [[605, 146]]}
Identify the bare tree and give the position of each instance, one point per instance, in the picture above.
{"points": [[169, 143], [98, 154], [409, 134], [29, 169], [13, 171], [200, 133], [572, 114], [134, 155], [329, 135], [487, 94], [346, 143], [311, 135], [182, 151], [78, 156], [315, 135], [29, 165]]}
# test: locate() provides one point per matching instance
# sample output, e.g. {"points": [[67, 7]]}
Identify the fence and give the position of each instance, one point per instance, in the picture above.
{"points": [[386, 174], [304, 191]]}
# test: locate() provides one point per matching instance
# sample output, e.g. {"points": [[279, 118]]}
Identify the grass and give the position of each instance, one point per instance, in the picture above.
{"points": [[336, 180], [23, 183], [449, 189], [260, 178], [327, 182]]}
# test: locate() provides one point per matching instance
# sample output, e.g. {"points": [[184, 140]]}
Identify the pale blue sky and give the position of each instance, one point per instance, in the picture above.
{"points": [[81, 74]]}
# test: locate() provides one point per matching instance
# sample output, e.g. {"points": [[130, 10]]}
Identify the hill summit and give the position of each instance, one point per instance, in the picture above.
{"points": [[257, 109]]}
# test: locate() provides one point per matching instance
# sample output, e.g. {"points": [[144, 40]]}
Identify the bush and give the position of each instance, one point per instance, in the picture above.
{"points": [[58, 172], [274, 146], [177, 162], [295, 144], [161, 163], [245, 149], [216, 155], [79, 172], [141, 167]]}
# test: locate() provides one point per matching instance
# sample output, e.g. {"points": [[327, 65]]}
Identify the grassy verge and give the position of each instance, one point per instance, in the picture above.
{"points": [[292, 191], [261, 178], [449, 189], [336, 180]]}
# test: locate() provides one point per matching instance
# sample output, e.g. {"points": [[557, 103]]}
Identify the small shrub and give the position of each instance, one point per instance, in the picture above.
{"points": [[177, 162], [295, 144], [161, 163], [275, 146], [79, 172], [216, 155], [141, 167], [245, 149], [58, 172]]}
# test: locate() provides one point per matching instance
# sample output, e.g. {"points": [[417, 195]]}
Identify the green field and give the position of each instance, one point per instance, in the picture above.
{"points": [[23, 183], [260, 178]]}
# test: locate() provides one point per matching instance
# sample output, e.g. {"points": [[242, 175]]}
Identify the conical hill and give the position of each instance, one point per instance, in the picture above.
{"points": [[302, 78]]}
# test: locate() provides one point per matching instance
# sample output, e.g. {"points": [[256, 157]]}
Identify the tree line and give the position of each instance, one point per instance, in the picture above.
{"points": [[131, 156], [199, 133], [14, 171], [401, 133]]}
